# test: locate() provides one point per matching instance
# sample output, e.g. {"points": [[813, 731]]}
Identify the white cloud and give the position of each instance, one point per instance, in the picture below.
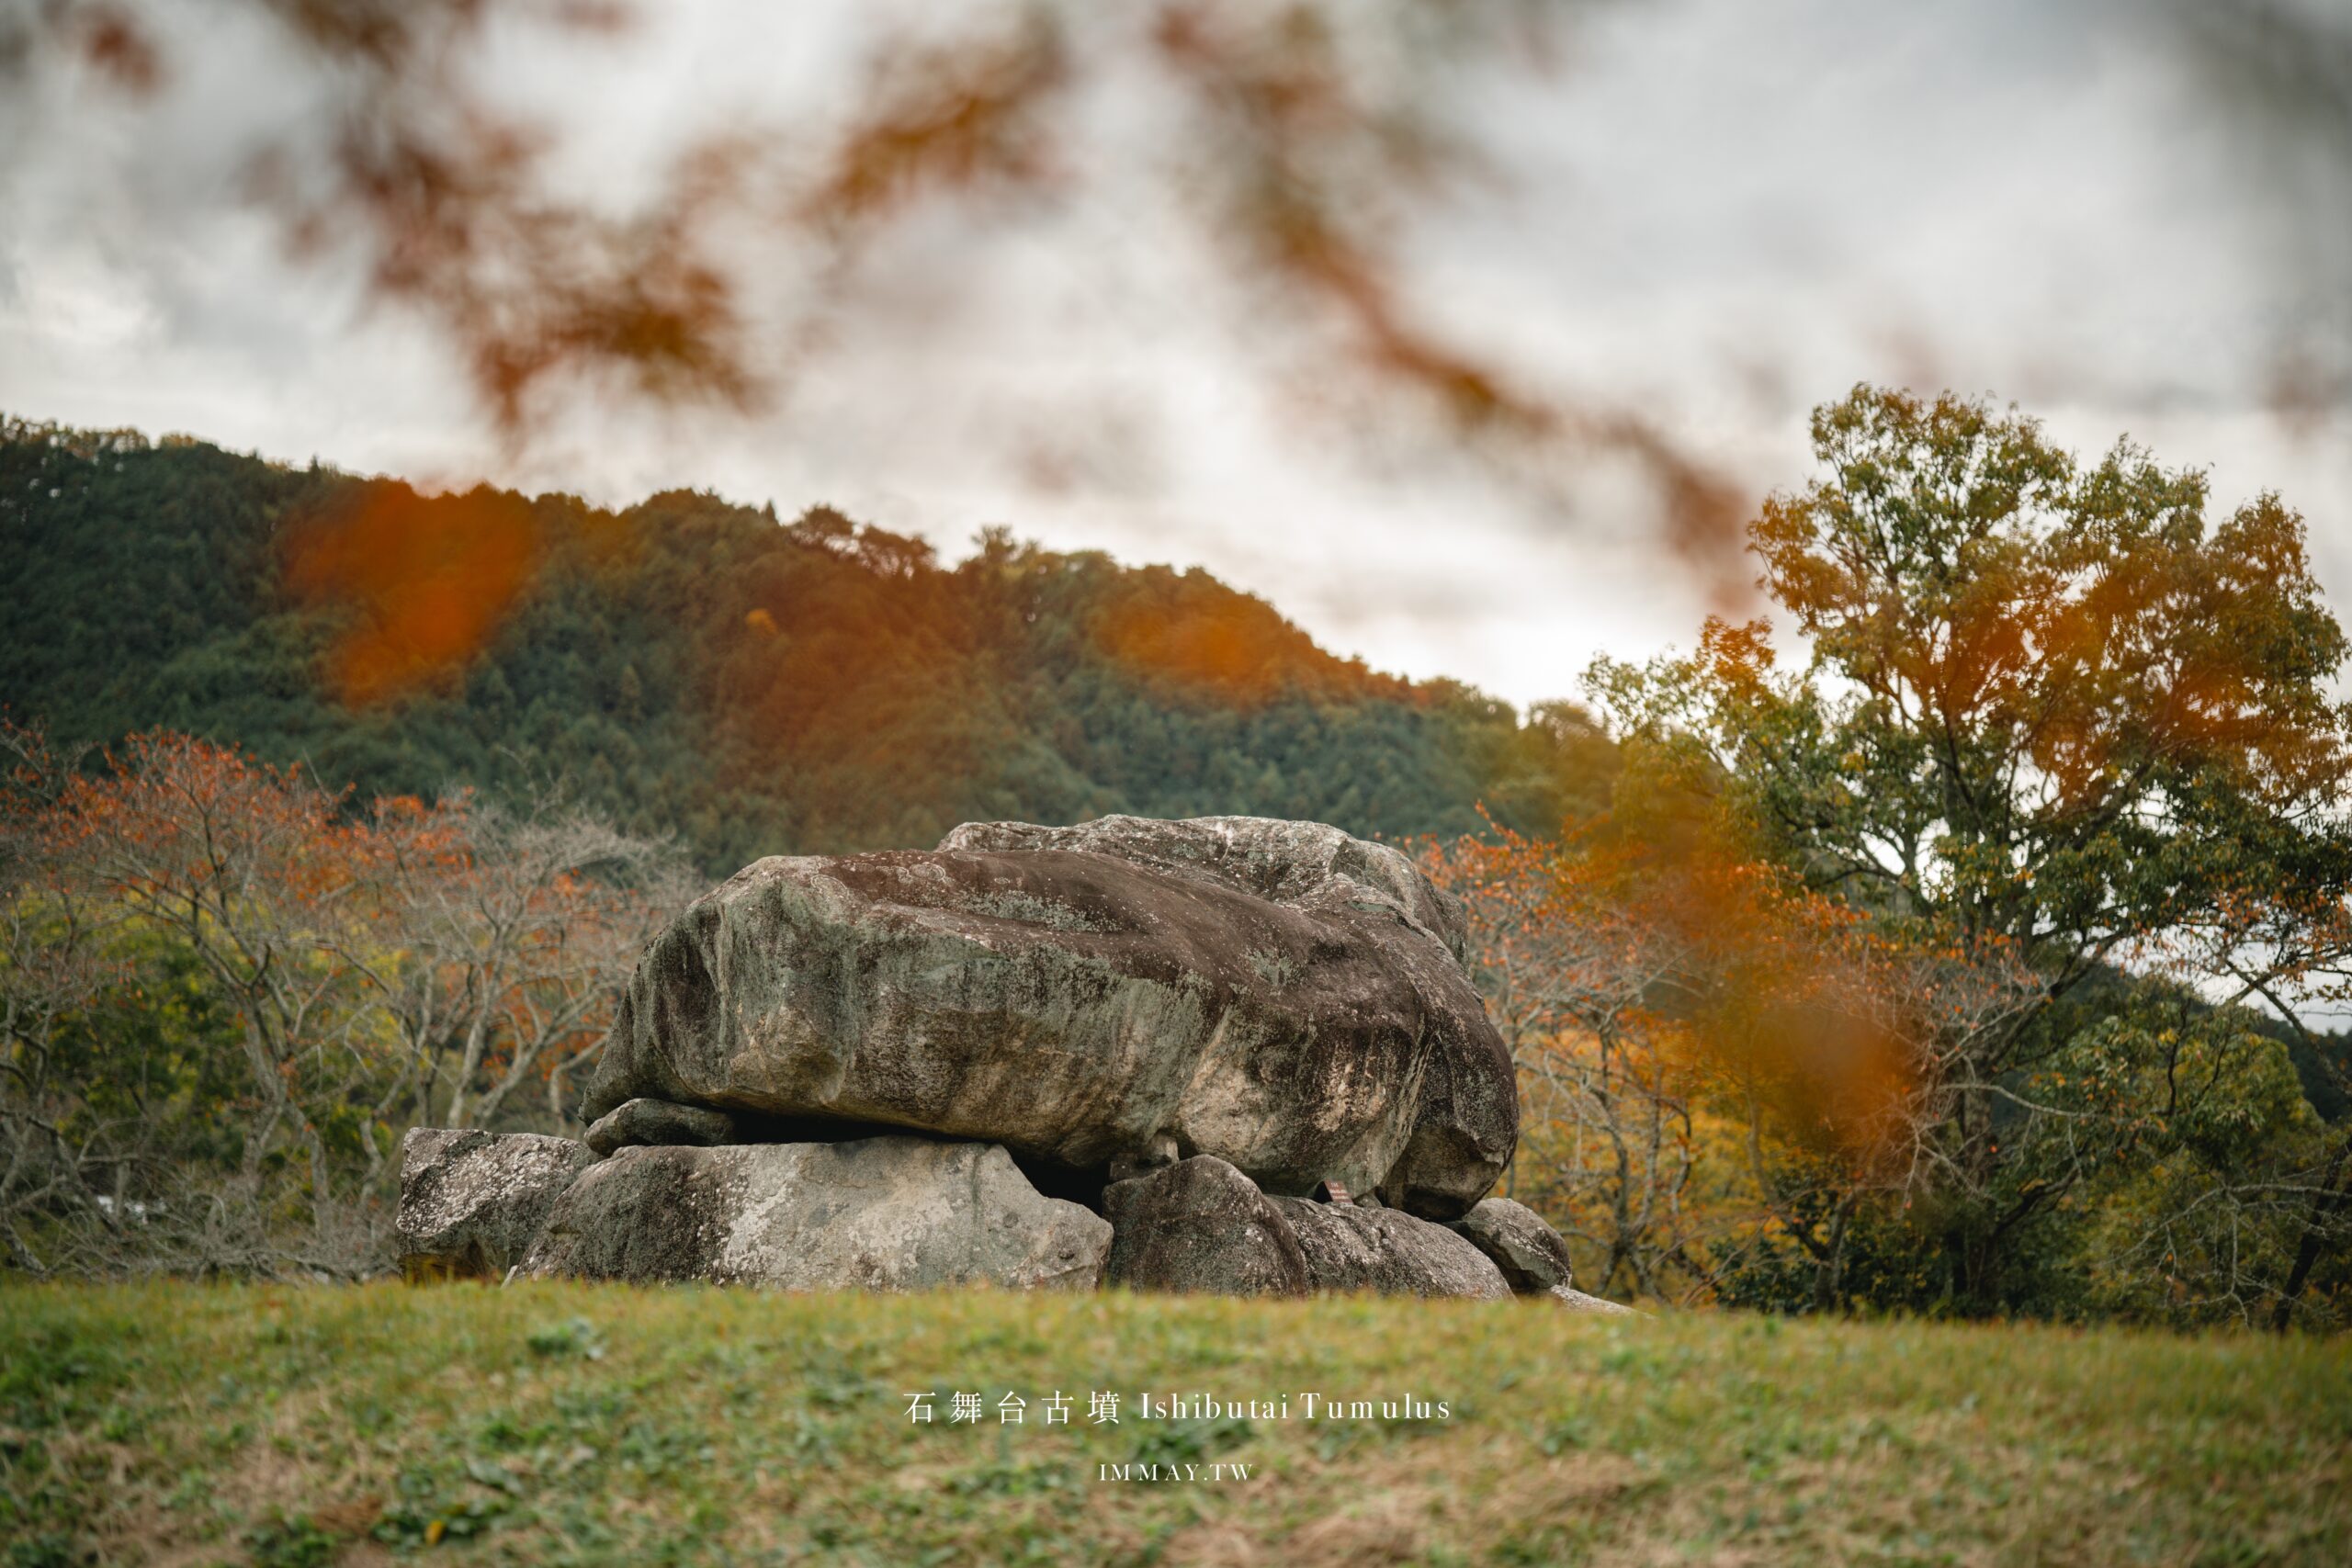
{"points": [[1716, 212]]}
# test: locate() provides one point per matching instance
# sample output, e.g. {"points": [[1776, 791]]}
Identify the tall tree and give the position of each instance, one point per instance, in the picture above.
{"points": [[2051, 715]]}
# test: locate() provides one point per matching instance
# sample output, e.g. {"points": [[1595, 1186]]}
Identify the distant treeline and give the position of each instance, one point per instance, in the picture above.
{"points": [[694, 667]]}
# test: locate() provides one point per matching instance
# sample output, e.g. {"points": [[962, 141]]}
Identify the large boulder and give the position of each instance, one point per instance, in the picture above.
{"points": [[472, 1202], [1200, 1225], [1280, 995], [891, 1213], [1352, 1248], [1532, 1258]]}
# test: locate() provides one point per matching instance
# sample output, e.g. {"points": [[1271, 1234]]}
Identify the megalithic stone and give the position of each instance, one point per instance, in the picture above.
{"points": [[892, 1213], [1280, 995]]}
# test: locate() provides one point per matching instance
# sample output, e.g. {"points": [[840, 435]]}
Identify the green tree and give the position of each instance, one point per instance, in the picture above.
{"points": [[2052, 716]]}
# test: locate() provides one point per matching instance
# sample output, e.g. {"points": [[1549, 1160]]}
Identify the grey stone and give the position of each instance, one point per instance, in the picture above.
{"points": [[1348, 1249], [1200, 1225], [1277, 994], [1576, 1301], [1157, 1154], [657, 1121], [891, 1214], [1530, 1253], [472, 1202]]}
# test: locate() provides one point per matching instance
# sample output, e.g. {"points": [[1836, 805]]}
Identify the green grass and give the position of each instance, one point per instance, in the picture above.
{"points": [[186, 1424]]}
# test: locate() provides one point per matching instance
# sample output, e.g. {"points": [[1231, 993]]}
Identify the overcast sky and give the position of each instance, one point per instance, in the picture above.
{"points": [[1716, 211]]}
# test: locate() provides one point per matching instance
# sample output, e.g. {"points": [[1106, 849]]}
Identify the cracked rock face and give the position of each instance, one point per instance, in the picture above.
{"points": [[472, 1202], [1279, 994], [891, 1213]]}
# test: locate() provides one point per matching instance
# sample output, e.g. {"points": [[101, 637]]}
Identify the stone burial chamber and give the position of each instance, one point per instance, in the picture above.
{"points": [[1162, 1055]]}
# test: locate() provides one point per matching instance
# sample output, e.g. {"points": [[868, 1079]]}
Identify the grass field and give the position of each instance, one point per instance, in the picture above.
{"points": [[185, 1423]]}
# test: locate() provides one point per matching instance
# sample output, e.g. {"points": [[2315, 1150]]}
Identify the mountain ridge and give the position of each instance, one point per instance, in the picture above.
{"points": [[692, 665]]}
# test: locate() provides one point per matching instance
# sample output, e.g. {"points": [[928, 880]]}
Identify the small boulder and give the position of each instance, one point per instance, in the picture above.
{"points": [[1576, 1301], [1201, 1226], [890, 1213], [472, 1202], [1352, 1248], [662, 1124], [1530, 1253]]}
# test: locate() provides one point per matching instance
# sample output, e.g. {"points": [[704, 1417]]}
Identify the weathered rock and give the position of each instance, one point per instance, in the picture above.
{"points": [[1200, 1225], [891, 1213], [1576, 1301], [1277, 994], [662, 1125], [472, 1202], [1350, 1248], [1530, 1253]]}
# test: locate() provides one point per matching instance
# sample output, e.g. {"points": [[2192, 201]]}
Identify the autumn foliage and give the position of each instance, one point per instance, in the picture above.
{"points": [[1965, 967], [229, 990], [420, 589], [1690, 1022], [1190, 634]]}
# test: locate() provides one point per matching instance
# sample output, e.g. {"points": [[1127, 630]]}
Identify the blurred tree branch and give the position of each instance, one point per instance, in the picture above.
{"points": [[1301, 137]]}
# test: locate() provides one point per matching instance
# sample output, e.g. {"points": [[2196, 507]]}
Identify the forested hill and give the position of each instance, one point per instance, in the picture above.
{"points": [[692, 666]]}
